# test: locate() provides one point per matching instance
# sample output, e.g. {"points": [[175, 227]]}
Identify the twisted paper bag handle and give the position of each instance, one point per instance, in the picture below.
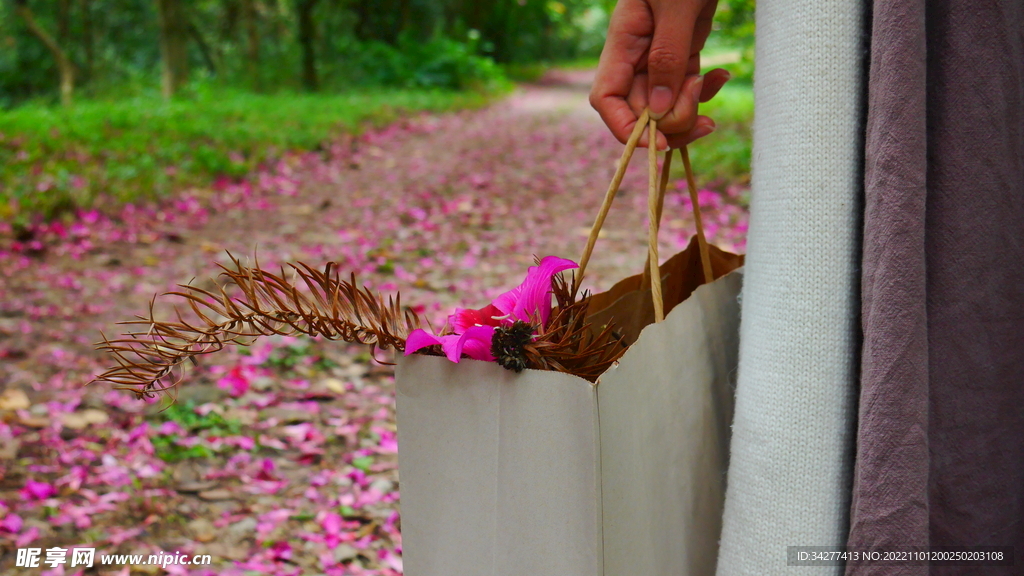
{"points": [[655, 204]]}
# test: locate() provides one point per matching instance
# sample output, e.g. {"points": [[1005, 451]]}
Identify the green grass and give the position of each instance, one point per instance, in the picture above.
{"points": [[534, 71], [54, 159], [724, 155], [192, 424]]}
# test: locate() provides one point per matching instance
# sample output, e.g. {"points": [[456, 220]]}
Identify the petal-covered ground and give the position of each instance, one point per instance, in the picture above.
{"points": [[281, 458]]}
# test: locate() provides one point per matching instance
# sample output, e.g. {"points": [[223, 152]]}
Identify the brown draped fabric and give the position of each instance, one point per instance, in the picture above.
{"points": [[940, 446]]}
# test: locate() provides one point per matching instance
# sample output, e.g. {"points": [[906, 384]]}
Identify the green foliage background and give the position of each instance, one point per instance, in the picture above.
{"points": [[374, 59], [408, 43]]}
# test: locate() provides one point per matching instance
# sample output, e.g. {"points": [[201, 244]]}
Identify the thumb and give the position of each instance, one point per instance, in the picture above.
{"points": [[669, 55]]}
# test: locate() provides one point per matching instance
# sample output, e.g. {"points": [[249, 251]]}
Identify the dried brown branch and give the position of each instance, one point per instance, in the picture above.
{"points": [[569, 344], [151, 360]]}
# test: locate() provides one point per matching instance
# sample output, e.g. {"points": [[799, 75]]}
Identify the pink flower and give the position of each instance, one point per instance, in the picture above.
{"points": [[11, 523], [534, 294], [37, 490], [332, 528], [236, 382], [170, 427], [475, 342], [281, 551], [474, 329], [464, 319]]}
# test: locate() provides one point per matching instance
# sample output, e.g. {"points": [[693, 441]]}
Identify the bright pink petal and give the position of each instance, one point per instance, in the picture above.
{"points": [[477, 343], [450, 347], [332, 523], [420, 338], [11, 523], [506, 303], [474, 342], [37, 490], [535, 296], [464, 319]]}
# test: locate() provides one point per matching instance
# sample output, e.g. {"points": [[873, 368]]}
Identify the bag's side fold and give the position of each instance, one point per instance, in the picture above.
{"points": [[665, 412]]}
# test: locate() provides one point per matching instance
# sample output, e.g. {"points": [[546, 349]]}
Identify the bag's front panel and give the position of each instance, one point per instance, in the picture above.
{"points": [[548, 483], [665, 413], [448, 456], [499, 472]]}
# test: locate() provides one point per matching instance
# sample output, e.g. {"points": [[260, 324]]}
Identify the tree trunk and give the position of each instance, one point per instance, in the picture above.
{"points": [[363, 25], [87, 40], [64, 22], [229, 23], [173, 35], [64, 65], [307, 39], [403, 17], [204, 48], [252, 47]]}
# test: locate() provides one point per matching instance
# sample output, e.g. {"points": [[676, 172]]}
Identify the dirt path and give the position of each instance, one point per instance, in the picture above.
{"points": [[450, 210]]}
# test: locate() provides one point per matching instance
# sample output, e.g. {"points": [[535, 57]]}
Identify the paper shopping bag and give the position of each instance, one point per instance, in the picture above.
{"points": [[543, 473]]}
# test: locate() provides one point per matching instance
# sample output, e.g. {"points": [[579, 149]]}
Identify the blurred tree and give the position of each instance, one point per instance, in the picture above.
{"points": [[735, 20], [252, 35], [64, 65], [173, 35], [85, 7], [205, 50], [307, 38], [122, 47]]}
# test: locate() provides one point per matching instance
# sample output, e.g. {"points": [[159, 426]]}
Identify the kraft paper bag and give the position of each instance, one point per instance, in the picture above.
{"points": [[545, 474]]}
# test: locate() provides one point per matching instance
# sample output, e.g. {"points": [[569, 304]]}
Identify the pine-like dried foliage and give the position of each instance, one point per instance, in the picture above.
{"points": [[252, 303], [569, 344]]}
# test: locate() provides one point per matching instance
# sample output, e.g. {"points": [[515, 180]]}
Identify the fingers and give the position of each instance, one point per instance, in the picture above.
{"points": [[652, 60], [629, 37], [714, 80], [683, 114], [679, 133], [669, 56], [662, 142], [702, 127], [637, 98], [616, 114]]}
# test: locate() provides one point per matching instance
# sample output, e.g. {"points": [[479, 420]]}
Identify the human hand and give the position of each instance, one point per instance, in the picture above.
{"points": [[652, 60]]}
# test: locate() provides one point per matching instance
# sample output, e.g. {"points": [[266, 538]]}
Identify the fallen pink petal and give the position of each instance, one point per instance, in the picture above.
{"points": [[37, 490]]}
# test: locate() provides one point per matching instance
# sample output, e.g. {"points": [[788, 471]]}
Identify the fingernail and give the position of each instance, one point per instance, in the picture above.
{"points": [[701, 131], [695, 89], [661, 101]]}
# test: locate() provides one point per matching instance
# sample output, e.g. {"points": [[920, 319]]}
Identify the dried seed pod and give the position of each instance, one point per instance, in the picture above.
{"points": [[509, 345]]}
